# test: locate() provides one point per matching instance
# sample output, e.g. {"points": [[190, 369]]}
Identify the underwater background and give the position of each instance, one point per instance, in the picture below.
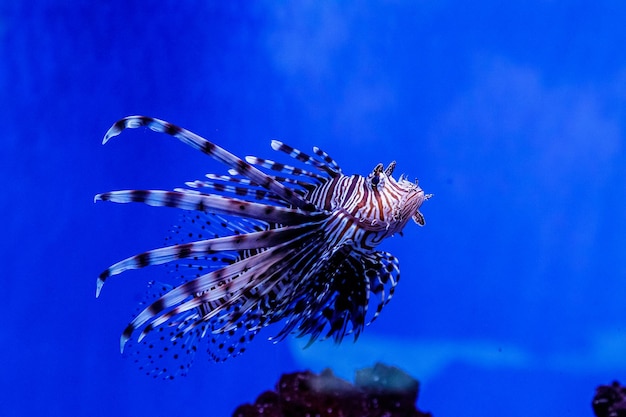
{"points": [[512, 297]]}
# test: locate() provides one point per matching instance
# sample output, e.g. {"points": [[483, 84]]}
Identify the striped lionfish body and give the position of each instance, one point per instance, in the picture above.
{"points": [[296, 249]]}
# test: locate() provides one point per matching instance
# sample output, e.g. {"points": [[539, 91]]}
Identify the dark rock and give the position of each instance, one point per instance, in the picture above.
{"points": [[378, 391], [610, 401]]}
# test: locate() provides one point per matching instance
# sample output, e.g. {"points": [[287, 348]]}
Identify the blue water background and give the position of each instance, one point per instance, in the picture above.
{"points": [[512, 297]]}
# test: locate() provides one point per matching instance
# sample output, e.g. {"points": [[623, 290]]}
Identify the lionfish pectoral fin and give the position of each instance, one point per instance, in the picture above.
{"points": [[419, 218], [252, 240], [128, 331], [100, 283], [383, 273], [219, 287]]}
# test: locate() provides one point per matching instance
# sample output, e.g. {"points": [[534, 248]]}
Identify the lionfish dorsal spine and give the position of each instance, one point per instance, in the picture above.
{"points": [[213, 203], [331, 170], [216, 152], [284, 168]]}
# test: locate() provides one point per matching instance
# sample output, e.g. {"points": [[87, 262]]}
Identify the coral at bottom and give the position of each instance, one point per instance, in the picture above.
{"points": [[377, 392], [610, 401]]}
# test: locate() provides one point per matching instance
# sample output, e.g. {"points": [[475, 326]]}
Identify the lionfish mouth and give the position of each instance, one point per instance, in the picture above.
{"points": [[296, 248]]}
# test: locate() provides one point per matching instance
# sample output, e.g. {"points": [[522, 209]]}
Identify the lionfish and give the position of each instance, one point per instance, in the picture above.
{"points": [[297, 249]]}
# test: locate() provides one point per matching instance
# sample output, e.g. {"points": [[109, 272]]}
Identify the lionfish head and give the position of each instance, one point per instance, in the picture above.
{"points": [[400, 199]]}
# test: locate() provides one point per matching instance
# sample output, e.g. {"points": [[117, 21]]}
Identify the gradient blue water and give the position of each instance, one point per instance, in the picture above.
{"points": [[512, 297]]}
